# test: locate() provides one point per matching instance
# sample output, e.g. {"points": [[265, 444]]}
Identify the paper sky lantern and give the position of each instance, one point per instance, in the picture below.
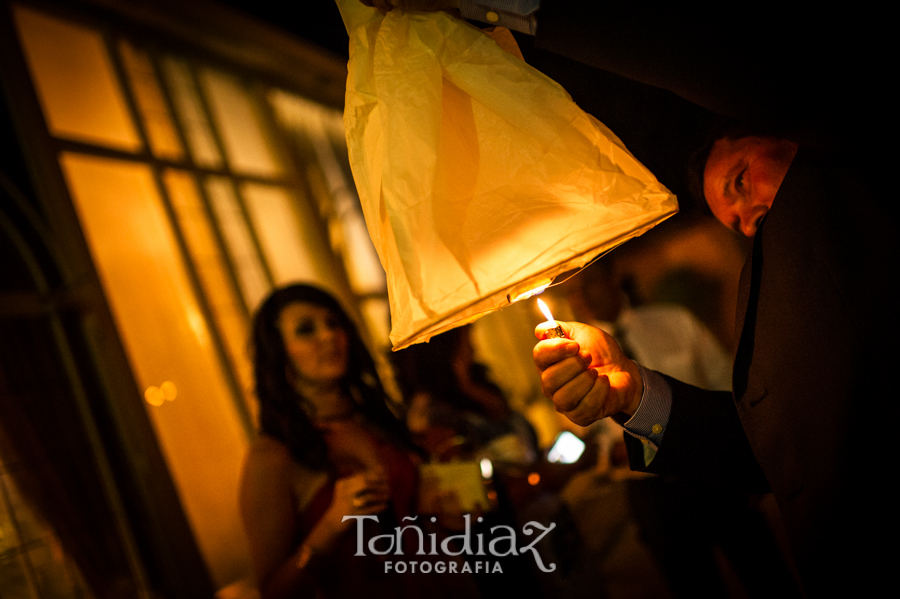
{"points": [[480, 179]]}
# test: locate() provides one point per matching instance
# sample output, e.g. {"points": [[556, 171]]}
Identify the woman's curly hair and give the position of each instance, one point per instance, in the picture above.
{"points": [[281, 412]]}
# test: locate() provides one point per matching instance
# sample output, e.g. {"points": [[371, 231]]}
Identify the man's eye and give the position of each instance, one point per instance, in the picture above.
{"points": [[739, 182]]}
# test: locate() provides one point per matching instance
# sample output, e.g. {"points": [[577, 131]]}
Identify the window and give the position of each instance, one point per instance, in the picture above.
{"points": [[198, 189]]}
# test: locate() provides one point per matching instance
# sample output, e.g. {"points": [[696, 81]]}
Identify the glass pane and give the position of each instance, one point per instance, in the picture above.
{"points": [[52, 572], [9, 536], [75, 81], [348, 234], [213, 272], [29, 527], [167, 341], [377, 316], [14, 577], [288, 237], [241, 249], [503, 341], [151, 103], [190, 113], [246, 144], [324, 127]]}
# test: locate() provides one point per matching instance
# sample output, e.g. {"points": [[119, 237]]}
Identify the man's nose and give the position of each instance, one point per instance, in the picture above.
{"points": [[748, 227], [750, 218]]}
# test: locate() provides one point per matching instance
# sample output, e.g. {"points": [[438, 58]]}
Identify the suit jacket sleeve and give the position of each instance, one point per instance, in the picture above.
{"points": [[704, 440]]}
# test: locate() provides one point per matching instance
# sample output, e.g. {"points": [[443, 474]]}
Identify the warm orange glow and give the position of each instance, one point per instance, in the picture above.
{"points": [[545, 310], [134, 247], [150, 102], [534, 478], [510, 185], [519, 294], [169, 391], [154, 396], [75, 81], [556, 331]]}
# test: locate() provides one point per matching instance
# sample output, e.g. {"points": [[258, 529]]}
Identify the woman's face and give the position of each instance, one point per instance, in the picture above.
{"points": [[315, 341]]}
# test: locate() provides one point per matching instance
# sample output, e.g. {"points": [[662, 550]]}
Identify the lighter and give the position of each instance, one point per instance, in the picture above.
{"points": [[555, 331]]}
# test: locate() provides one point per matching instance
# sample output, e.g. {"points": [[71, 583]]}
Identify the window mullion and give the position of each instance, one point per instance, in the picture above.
{"points": [[238, 195], [179, 235]]}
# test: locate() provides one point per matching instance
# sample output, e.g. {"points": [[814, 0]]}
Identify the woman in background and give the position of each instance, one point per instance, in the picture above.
{"points": [[328, 447]]}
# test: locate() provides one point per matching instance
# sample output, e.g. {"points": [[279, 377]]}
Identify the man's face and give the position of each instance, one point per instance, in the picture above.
{"points": [[742, 177]]}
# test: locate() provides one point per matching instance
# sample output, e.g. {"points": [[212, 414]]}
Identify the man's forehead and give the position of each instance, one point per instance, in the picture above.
{"points": [[727, 150]]}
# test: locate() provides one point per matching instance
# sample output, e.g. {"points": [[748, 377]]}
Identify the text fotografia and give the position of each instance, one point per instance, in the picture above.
{"points": [[502, 542]]}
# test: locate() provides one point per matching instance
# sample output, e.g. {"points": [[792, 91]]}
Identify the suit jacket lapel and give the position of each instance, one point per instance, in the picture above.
{"points": [[745, 317]]}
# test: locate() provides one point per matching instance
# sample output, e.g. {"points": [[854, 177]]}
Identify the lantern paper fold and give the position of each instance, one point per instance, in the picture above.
{"points": [[478, 175]]}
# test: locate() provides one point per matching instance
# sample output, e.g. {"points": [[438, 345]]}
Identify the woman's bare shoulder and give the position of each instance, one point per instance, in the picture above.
{"points": [[267, 446], [266, 455], [269, 461]]}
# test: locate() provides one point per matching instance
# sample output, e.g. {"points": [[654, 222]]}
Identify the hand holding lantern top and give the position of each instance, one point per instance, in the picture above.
{"points": [[586, 375], [384, 6]]}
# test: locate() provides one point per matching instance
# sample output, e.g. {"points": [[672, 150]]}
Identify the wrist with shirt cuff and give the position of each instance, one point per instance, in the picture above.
{"points": [[518, 15], [649, 421]]}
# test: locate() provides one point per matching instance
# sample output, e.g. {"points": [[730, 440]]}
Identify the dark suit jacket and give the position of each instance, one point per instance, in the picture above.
{"points": [[813, 388], [813, 394]]}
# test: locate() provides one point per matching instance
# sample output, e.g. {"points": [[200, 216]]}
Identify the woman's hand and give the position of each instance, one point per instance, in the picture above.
{"points": [[366, 493], [359, 495]]}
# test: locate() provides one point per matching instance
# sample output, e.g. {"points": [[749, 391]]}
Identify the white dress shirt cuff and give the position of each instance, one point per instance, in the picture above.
{"points": [[649, 421]]}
